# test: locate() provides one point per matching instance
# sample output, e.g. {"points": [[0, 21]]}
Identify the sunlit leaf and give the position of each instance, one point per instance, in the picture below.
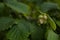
{"points": [[52, 23]]}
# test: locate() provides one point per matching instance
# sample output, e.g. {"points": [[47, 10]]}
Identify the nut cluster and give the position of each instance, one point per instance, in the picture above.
{"points": [[42, 18]]}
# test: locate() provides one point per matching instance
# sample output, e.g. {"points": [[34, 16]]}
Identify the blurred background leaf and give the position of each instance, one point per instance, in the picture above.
{"points": [[47, 6], [18, 7], [51, 35], [5, 23], [21, 31]]}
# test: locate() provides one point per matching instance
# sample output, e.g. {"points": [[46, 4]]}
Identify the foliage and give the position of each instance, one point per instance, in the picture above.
{"points": [[29, 20]]}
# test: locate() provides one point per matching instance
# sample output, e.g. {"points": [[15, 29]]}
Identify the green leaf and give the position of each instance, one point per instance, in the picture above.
{"points": [[57, 1], [5, 23], [51, 35], [52, 23], [1, 8], [21, 31], [36, 1], [18, 6], [47, 6], [57, 22], [39, 33], [4, 11]]}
